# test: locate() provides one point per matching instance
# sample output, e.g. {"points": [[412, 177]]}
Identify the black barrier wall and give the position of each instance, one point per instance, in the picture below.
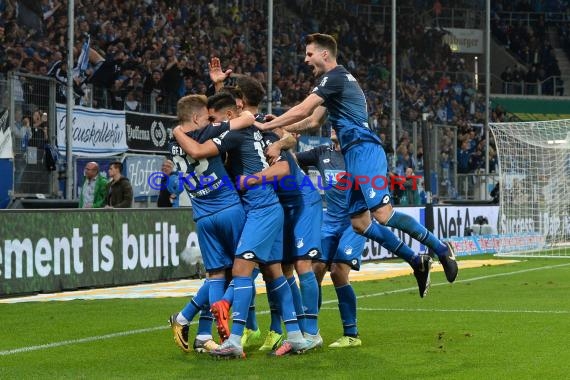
{"points": [[47, 251]]}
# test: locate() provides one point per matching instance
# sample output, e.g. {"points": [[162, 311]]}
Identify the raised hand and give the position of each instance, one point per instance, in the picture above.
{"points": [[216, 73]]}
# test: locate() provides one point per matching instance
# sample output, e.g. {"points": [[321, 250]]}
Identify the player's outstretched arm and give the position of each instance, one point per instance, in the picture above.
{"points": [[244, 120], [273, 173], [315, 120], [192, 147], [295, 114]]}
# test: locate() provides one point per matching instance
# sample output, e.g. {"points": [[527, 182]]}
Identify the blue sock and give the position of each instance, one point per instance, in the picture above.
{"points": [[217, 288], [282, 291], [320, 296], [310, 298], [251, 322], [229, 293], [243, 287], [275, 324], [409, 225], [205, 322], [297, 302], [198, 302], [347, 308], [391, 242]]}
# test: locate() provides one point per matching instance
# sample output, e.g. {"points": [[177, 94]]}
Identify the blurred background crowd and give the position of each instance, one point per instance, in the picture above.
{"points": [[148, 51]]}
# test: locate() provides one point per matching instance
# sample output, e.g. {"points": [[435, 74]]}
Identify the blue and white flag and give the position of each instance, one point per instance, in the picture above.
{"points": [[83, 59]]}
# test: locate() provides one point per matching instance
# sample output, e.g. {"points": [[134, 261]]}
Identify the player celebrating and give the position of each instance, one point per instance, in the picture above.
{"points": [[339, 93], [261, 236], [213, 203]]}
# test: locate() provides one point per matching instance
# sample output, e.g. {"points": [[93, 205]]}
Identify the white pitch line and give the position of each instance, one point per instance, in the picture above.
{"points": [[82, 340], [460, 310], [151, 329]]}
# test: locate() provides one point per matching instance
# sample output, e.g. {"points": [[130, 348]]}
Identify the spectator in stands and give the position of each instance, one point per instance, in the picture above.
{"points": [[120, 193], [94, 189], [168, 195], [410, 194], [463, 158], [153, 88]]}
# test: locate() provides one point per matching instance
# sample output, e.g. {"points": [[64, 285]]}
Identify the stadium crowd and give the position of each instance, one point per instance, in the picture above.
{"points": [[159, 51]]}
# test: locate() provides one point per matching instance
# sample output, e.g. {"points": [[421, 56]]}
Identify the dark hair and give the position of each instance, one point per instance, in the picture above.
{"points": [[118, 165], [324, 41], [221, 100], [232, 90], [253, 91]]}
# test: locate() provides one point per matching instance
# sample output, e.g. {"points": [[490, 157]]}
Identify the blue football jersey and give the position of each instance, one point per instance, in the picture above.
{"points": [[206, 181], [297, 187], [245, 149], [330, 164], [346, 106]]}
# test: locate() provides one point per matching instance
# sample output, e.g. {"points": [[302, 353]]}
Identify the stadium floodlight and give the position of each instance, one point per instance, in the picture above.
{"points": [[534, 172]]}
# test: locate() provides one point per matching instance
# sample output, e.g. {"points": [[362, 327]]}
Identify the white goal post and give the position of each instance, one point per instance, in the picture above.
{"points": [[534, 172]]}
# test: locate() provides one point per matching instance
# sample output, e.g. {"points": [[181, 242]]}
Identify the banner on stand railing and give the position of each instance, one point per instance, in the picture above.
{"points": [[5, 137], [95, 132], [148, 133]]}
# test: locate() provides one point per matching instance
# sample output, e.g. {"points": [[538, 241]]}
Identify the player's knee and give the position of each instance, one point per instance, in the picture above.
{"points": [[320, 270], [360, 223], [339, 275], [303, 266], [382, 214], [288, 271]]}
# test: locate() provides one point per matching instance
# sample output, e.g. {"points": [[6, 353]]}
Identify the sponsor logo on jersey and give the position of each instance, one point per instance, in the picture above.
{"points": [[248, 256], [313, 253], [326, 160]]}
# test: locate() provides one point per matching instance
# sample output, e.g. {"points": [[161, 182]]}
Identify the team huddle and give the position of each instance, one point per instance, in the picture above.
{"points": [[276, 231]]}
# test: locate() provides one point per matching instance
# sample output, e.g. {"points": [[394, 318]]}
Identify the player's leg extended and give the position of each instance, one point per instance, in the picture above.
{"points": [[369, 179], [243, 288], [370, 192], [252, 335], [217, 240], [288, 272], [330, 236], [179, 322], [307, 232], [347, 256], [444, 251], [278, 284], [346, 306], [289, 255]]}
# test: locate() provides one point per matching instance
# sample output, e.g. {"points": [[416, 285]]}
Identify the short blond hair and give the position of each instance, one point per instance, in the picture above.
{"points": [[189, 105]]}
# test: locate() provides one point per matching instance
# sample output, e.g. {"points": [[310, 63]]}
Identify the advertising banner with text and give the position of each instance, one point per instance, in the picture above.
{"points": [[95, 132], [148, 133], [61, 250]]}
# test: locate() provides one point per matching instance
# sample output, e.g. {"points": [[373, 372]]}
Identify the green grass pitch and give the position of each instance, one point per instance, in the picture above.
{"points": [[496, 322]]}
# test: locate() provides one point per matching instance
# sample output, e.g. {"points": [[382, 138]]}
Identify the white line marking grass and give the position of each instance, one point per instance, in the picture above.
{"points": [[152, 329]]}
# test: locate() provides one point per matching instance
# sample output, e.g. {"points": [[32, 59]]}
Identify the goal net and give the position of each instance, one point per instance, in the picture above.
{"points": [[534, 170]]}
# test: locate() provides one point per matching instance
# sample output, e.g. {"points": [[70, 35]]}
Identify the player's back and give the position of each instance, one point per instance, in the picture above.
{"points": [[346, 106], [330, 164], [297, 187], [206, 181], [245, 149]]}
